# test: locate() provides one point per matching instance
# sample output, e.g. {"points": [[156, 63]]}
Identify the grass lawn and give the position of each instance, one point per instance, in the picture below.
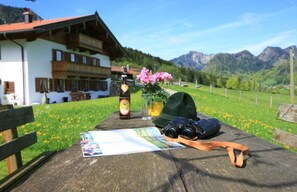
{"points": [[258, 119], [58, 126]]}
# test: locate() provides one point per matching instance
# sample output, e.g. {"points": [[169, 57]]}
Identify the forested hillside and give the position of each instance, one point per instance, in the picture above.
{"points": [[138, 59], [278, 75], [10, 14], [263, 80]]}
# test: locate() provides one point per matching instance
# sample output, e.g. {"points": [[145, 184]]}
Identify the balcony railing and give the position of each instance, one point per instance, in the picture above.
{"points": [[84, 41], [64, 69]]}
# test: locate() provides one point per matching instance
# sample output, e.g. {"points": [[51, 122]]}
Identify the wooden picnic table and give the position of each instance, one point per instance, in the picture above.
{"points": [[270, 167]]}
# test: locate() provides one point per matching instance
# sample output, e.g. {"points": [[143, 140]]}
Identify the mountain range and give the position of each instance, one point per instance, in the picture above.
{"points": [[241, 63], [270, 67]]}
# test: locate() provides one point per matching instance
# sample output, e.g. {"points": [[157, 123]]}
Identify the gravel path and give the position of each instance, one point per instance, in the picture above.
{"points": [[170, 91]]}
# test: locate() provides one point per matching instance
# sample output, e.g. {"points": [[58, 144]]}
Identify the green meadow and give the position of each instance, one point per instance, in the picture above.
{"points": [[58, 126], [251, 112]]}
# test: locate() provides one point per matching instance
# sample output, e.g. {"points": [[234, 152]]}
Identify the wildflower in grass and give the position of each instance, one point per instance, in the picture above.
{"points": [[246, 125], [290, 130], [39, 133]]}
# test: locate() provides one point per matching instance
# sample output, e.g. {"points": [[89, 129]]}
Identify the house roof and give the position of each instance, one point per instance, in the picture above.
{"points": [[132, 71], [22, 26], [36, 29]]}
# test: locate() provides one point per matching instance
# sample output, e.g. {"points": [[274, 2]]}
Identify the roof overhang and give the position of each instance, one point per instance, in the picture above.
{"points": [[111, 44]]}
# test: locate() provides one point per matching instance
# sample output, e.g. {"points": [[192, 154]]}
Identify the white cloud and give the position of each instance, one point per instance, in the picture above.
{"points": [[283, 39]]}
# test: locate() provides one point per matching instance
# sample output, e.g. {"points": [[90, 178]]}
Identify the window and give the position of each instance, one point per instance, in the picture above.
{"points": [[51, 85], [96, 61], [86, 85], [74, 85], [67, 85], [84, 59], [57, 55], [66, 56], [8, 87], [83, 85], [72, 57], [96, 85], [41, 85], [58, 85], [102, 85], [92, 85]]}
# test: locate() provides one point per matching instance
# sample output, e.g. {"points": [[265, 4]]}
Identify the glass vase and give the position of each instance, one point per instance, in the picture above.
{"points": [[155, 108], [145, 110], [151, 109]]}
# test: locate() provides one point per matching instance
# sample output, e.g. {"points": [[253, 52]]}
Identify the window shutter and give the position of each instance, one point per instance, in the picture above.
{"points": [[67, 85], [11, 87], [54, 55], [37, 85], [51, 85], [67, 57], [56, 85]]}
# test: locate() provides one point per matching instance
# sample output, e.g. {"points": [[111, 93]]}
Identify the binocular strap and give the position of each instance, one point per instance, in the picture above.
{"points": [[232, 147]]}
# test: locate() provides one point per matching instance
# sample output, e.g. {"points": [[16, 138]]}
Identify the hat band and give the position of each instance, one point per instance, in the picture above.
{"points": [[167, 116]]}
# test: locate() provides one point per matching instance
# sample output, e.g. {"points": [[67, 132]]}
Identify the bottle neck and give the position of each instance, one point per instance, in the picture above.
{"points": [[124, 79]]}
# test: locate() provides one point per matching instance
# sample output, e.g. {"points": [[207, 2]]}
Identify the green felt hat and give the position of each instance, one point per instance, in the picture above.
{"points": [[179, 104]]}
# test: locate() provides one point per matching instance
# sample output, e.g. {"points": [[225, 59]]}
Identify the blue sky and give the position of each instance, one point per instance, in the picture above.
{"points": [[170, 28]]}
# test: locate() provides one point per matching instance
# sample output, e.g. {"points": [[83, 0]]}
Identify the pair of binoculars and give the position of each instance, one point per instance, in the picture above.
{"points": [[191, 129]]}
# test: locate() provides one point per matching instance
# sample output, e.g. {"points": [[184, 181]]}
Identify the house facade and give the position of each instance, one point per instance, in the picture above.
{"points": [[64, 59]]}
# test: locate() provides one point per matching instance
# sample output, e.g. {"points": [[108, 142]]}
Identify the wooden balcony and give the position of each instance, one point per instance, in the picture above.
{"points": [[84, 42], [64, 69]]}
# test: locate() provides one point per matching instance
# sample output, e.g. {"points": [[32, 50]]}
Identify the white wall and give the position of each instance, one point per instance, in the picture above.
{"points": [[38, 57], [11, 67], [104, 60], [1, 92]]}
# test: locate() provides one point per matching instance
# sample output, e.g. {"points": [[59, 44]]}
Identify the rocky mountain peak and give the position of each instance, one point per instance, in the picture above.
{"points": [[195, 60], [242, 62], [273, 55], [244, 55]]}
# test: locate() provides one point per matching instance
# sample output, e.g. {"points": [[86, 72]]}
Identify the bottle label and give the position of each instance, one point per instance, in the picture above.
{"points": [[124, 106], [124, 87]]}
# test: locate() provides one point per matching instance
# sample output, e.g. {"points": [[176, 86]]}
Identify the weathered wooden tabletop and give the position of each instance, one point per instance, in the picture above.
{"points": [[270, 168]]}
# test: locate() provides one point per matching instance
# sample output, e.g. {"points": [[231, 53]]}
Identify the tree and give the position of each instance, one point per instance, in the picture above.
{"points": [[245, 85], [232, 82], [219, 82]]}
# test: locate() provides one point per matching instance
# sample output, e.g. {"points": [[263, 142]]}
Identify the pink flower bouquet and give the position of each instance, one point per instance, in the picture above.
{"points": [[151, 90]]}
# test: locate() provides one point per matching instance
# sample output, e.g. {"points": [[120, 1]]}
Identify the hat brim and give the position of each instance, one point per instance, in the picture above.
{"points": [[161, 121]]}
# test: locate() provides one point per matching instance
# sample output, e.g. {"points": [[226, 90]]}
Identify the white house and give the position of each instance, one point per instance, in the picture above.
{"points": [[64, 59]]}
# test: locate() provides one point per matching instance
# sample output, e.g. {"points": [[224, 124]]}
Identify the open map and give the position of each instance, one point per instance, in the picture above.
{"points": [[124, 141]]}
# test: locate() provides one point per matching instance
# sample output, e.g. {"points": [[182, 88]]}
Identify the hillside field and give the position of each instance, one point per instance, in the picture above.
{"points": [[244, 113]]}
